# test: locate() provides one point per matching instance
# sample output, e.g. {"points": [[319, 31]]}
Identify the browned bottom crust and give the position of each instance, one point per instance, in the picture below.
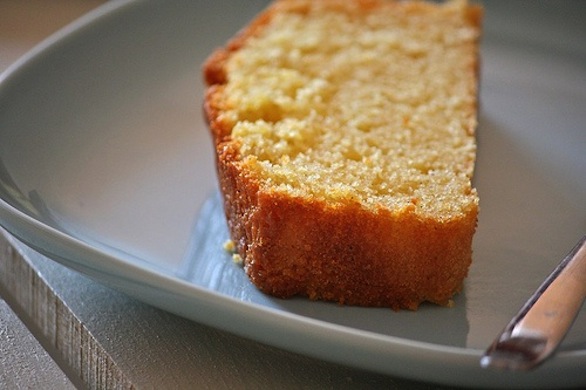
{"points": [[343, 253]]}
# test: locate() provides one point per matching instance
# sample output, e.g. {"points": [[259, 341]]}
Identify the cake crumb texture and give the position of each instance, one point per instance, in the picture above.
{"points": [[345, 143]]}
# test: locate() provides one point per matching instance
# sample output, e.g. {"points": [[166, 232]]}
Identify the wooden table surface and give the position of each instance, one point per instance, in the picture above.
{"points": [[60, 330]]}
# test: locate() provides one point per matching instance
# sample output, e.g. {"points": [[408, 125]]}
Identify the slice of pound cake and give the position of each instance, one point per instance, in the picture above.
{"points": [[344, 136]]}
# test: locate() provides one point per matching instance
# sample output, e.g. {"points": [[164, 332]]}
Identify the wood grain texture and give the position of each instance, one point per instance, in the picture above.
{"points": [[24, 364], [53, 322]]}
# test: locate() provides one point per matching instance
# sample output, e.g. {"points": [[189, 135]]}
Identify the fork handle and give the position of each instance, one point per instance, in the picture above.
{"points": [[540, 326]]}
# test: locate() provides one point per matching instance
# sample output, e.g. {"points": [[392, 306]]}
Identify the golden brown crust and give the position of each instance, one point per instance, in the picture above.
{"points": [[343, 253], [353, 256]]}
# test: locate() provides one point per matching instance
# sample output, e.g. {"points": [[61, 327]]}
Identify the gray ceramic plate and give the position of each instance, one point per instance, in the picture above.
{"points": [[106, 167]]}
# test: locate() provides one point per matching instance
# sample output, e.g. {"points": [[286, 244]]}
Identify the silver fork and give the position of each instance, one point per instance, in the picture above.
{"points": [[537, 330]]}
